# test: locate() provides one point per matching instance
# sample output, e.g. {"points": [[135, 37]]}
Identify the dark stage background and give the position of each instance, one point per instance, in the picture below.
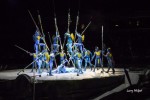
{"points": [[126, 28]]}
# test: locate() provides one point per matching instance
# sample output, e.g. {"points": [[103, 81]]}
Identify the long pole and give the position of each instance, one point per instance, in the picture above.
{"points": [[102, 44], [33, 20], [39, 17]]}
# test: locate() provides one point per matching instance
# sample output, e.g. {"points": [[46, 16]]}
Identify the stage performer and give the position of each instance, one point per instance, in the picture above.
{"points": [[110, 60], [98, 61], [69, 42], [46, 59], [78, 61], [87, 58], [62, 68], [79, 43], [52, 58], [34, 65], [39, 61], [62, 55], [55, 43], [37, 37]]}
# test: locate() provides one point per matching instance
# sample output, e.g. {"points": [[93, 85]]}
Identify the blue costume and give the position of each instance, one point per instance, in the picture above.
{"points": [[98, 61], [62, 56], [38, 44], [79, 43], [52, 58], [46, 59], [87, 58], [62, 68], [39, 59], [34, 65], [110, 60], [78, 62], [55, 43], [69, 42]]}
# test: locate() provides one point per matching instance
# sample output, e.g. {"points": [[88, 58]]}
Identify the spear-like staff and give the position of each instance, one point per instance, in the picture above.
{"points": [[57, 31], [87, 26], [68, 31], [76, 28], [50, 39], [29, 65], [23, 49], [56, 27], [38, 27], [102, 46], [39, 17], [84, 30], [52, 48], [34, 21], [77, 20]]}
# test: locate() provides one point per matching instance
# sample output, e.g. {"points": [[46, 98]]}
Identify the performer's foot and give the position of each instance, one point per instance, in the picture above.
{"points": [[113, 72], [106, 71], [50, 74]]}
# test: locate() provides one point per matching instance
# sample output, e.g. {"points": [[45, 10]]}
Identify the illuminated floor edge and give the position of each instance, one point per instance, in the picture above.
{"points": [[65, 86], [88, 74]]}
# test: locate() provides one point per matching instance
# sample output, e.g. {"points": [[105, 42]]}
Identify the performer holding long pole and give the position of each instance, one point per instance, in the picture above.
{"points": [[39, 17], [68, 31], [52, 48], [85, 28], [56, 27]]}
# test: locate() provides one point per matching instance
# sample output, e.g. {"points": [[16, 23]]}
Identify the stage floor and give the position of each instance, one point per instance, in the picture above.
{"points": [[88, 74]]}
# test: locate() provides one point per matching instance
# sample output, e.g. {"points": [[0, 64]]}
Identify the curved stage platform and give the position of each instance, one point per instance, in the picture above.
{"points": [[64, 86]]}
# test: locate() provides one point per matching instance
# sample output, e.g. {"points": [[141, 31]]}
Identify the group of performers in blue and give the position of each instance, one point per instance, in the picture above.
{"points": [[76, 54]]}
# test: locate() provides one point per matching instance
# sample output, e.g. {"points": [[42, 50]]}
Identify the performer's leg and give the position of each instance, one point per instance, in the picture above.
{"points": [[55, 47], [111, 64], [47, 66], [50, 70], [89, 61], [95, 64], [101, 63], [85, 64], [108, 67], [39, 66], [98, 63], [36, 48], [33, 65], [43, 65]]}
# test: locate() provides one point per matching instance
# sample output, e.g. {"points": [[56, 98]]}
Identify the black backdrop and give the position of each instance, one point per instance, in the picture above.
{"points": [[126, 27]]}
